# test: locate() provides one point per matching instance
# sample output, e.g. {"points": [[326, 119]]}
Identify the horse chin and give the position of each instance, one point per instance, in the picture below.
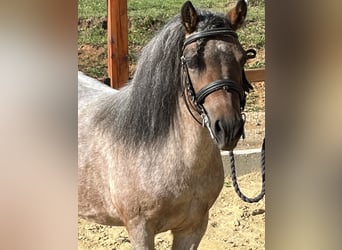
{"points": [[229, 146]]}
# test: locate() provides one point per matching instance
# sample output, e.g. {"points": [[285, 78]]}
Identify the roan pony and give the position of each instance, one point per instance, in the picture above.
{"points": [[144, 161]]}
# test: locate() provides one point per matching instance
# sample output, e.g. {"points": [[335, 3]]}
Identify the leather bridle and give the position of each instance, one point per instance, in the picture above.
{"points": [[197, 99]]}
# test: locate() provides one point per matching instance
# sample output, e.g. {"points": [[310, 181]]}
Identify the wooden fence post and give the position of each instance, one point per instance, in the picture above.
{"points": [[117, 42]]}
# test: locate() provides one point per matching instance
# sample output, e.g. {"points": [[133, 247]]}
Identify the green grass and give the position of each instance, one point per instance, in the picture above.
{"points": [[148, 16], [91, 8], [93, 35], [145, 14], [253, 32]]}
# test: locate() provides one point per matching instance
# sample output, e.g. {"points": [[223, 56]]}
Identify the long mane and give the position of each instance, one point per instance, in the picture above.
{"points": [[149, 110], [151, 98]]}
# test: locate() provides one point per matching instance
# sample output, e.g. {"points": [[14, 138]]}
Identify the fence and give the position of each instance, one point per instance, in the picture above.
{"points": [[118, 46]]}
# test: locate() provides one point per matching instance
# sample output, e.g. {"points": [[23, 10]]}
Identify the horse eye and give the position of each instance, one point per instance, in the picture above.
{"points": [[192, 62]]}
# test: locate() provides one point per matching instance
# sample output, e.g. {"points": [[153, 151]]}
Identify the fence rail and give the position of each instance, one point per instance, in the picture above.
{"points": [[255, 75]]}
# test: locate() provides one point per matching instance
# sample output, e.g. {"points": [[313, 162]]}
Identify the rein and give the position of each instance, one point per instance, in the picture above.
{"points": [[197, 100]]}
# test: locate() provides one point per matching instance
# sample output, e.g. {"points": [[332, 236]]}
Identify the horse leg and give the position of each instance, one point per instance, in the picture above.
{"points": [[141, 235], [190, 238]]}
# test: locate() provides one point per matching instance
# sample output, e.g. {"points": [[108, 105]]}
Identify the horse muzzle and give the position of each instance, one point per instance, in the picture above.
{"points": [[227, 132]]}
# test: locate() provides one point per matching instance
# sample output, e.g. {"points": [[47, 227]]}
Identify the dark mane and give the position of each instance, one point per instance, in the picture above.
{"points": [[150, 109]]}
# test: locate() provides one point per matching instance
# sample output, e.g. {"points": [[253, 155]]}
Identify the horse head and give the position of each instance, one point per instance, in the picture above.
{"points": [[213, 76]]}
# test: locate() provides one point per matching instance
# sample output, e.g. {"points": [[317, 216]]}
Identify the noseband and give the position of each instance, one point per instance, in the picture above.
{"points": [[198, 99]]}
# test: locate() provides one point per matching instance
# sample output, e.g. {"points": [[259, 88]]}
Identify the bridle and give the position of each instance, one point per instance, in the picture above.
{"points": [[197, 99]]}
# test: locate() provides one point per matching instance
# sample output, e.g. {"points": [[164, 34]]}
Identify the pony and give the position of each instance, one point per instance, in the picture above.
{"points": [[144, 161]]}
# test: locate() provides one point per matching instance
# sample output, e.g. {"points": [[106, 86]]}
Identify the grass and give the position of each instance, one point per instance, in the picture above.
{"points": [[91, 8], [148, 16]]}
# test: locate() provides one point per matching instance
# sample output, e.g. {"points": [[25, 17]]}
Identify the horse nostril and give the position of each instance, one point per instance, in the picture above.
{"points": [[227, 131], [218, 126]]}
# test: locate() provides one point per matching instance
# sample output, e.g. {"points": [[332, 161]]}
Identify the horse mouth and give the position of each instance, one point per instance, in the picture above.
{"points": [[228, 146], [227, 139]]}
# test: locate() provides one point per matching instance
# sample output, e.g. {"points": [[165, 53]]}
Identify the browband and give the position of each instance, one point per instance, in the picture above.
{"points": [[208, 33]]}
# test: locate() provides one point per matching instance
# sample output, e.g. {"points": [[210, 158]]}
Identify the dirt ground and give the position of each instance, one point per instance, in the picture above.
{"points": [[233, 224]]}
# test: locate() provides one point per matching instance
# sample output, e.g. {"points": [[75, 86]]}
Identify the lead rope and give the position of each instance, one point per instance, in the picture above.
{"points": [[251, 53], [235, 183]]}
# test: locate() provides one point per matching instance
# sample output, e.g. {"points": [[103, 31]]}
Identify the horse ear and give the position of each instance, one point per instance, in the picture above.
{"points": [[189, 17], [237, 15]]}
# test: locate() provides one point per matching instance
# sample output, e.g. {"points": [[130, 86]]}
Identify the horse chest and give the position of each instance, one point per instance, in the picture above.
{"points": [[189, 185], [185, 199]]}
